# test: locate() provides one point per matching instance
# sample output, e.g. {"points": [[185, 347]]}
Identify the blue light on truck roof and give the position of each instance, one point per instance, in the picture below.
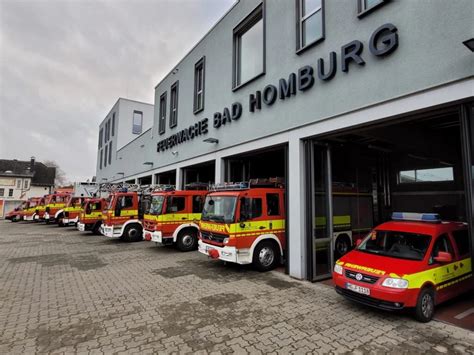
{"points": [[421, 217]]}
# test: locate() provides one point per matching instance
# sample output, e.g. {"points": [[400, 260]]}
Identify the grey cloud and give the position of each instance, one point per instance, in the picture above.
{"points": [[63, 64]]}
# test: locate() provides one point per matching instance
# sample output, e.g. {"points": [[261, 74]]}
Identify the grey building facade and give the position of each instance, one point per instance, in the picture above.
{"points": [[364, 107]]}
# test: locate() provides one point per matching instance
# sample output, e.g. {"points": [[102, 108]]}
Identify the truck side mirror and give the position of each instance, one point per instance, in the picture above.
{"points": [[443, 257]]}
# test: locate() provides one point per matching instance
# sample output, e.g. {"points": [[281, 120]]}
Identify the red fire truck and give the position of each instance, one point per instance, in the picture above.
{"points": [[244, 223], [70, 214], [124, 213], [54, 203], [173, 216], [90, 216]]}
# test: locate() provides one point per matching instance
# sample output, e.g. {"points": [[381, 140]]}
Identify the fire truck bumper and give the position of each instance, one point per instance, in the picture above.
{"points": [[110, 231], [230, 254], [155, 236], [81, 227], [70, 221]]}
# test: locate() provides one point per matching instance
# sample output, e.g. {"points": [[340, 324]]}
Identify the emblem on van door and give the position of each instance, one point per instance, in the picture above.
{"points": [[358, 276]]}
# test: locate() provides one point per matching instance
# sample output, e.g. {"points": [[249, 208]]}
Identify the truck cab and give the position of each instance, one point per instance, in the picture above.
{"points": [[245, 224], [70, 214], [30, 209], [54, 203], [123, 217], [90, 216], [173, 218]]}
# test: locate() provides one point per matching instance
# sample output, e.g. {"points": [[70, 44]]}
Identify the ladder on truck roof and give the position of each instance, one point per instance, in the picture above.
{"points": [[125, 187], [275, 182]]}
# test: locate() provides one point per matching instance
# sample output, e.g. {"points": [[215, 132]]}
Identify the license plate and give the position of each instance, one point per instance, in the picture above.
{"points": [[358, 289]]}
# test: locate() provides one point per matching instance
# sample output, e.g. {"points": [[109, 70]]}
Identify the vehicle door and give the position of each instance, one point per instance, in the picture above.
{"points": [[252, 219], [176, 213], [463, 266], [197, 204], [443, 271], [274, 205], [126, 207]]}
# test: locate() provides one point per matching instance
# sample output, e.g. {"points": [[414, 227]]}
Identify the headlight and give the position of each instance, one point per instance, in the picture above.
{"points": [[226, 240], [338, 269], [395, 283]]}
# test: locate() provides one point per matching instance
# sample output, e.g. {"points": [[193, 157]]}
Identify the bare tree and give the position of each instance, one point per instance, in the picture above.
{"points": [[60, 178]]}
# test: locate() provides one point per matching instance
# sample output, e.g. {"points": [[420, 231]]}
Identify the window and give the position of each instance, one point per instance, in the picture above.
{"points": [[126, 202], [137, 122], [110, 153], [310, 26], [250, 208], [105, 133], [26, 184], [442, 244], [100, 164], [174, 104], [366, 6], [462, 241], [249, 48], [101, 137], [113, 124], [175, 204], [273, 204], [199, 80], [10, 192], [197, 204], [2, 192], [425, 175], [162, 120], [18, 184], [105, 155]]}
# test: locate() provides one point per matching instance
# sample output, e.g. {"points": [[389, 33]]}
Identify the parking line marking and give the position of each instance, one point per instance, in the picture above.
{"points": [[465, 313]]}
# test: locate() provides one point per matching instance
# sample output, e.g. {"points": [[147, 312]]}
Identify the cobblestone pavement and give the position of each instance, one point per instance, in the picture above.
{"points": [[62, 291]]}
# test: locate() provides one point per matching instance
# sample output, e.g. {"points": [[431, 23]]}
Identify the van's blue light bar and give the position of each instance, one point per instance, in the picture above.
{"points": [[421, 217]]}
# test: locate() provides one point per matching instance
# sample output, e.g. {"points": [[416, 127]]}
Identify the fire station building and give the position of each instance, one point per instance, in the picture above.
{"points": [[364, 107]]}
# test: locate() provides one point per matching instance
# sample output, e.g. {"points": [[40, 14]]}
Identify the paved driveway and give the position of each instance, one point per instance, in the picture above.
{"points": [[66, 291]]}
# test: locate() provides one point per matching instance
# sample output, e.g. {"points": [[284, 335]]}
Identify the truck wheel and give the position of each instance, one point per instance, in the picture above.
{"points": [[342, 245], [187, 240], [425, 305], [132, 233], [266, 256], [60, 220], [96, 228]]}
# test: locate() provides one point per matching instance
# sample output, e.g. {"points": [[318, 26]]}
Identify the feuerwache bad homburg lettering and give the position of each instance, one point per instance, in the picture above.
{"points": [[383, 41]]}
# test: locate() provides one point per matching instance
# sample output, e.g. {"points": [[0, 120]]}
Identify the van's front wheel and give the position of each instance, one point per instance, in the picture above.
{"points": [[425, 305]]}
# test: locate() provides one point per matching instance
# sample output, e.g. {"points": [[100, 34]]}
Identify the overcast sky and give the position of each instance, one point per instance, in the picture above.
{"points": [[64, 63]]}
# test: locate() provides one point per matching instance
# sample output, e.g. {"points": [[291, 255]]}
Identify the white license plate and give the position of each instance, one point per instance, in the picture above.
{"points": [[358, 289]]}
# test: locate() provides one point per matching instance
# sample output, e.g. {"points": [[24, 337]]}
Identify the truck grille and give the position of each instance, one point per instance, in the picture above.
{"points": [[365, 278], [149, 225], [213, 237]]}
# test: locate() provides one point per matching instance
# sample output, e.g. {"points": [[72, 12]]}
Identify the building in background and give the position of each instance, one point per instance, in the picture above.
{"points": [[363, 107], [20, 180], [128, 122]]}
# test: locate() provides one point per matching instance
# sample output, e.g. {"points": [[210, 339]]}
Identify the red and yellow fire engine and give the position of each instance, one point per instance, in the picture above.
{"points": [[173, 216], [244, 223], [70, 214], [28, 212], [123, 216], [54, 203], [415, 261], [90, 216]]}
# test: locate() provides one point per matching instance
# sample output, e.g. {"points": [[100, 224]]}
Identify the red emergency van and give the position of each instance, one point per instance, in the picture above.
{"points": [[414, 261]]}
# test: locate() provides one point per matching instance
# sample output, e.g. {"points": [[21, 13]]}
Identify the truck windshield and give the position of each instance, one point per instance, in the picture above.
{"points": [[394, 244], [156, 206], [219, 209]]}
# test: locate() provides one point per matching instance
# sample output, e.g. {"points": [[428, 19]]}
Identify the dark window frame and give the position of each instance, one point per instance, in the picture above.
{"points": [[2, 192], [101, 137], [113, 124], [10, 192], [199, 66], [174, 110], [106, 150], [362, 10], [162, 114], [133, 122], [100, 159], [171, 202], [246, 24], [110, 152], [300, 48]]}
